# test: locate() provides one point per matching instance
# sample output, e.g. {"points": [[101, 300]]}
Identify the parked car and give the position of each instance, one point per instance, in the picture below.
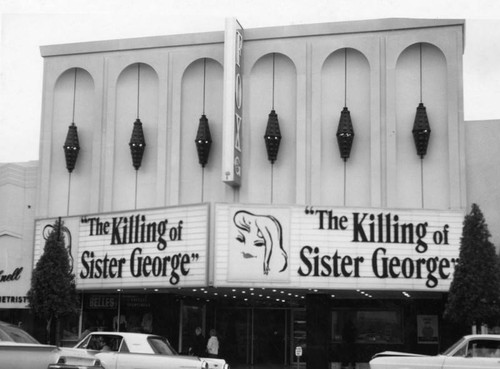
{"points": [[127, 350], [473, 351], [19, 350]]}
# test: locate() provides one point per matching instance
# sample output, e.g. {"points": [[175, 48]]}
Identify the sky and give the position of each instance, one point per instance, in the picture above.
{"points": [[25, 25]]}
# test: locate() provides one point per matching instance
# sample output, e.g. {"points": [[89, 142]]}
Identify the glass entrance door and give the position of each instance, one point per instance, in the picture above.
{"points": [[254, 336], [269, 336], [234, 328]]}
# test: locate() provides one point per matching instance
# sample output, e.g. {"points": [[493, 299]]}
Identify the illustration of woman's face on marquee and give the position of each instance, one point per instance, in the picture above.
{"points": [[256, 250]]}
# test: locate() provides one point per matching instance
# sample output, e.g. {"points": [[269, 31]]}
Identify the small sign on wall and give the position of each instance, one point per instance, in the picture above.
{"points": [[428, 331], [298, 351]]}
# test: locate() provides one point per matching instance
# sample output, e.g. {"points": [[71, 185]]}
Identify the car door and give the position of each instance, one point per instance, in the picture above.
{"points": [[479, 353], [129, 360], [108, 354], [108, 359], [471, 363]]}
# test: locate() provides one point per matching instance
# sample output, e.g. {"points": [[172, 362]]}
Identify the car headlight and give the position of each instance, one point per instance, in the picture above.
{"points": [[204, 364]]}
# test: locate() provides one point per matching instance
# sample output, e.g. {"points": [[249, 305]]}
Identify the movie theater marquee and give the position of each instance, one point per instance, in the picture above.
{"points": [[152, 248], [337, 248]]}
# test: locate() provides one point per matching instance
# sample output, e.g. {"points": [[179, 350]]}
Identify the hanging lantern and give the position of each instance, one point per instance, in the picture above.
{"points": [[272, 136], [203, 141], [345, 134], [421, 131], [137, 144], [71, 147]]}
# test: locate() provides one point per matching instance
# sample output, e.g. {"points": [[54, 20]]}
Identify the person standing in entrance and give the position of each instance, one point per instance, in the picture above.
{"points": [[198, 343], [349, 335], [213, 344]]}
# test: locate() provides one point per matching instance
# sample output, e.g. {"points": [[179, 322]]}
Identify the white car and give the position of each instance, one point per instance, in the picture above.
{"points": [[473, 352], [127, 350]]}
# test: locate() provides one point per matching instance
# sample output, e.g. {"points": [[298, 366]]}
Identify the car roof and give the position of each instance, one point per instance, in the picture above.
{"points": [[5, 323], [136, 343], [124, 334], [134, 340], [485, 336], [128, 335], [12, 332]]}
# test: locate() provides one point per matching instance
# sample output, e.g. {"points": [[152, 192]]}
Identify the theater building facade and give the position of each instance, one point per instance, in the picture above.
{"points": [[299, 186]]}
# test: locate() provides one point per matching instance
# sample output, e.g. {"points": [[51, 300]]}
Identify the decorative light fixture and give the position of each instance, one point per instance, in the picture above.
{"points": [[272, 136], [203, 139], [71, 145], [421, 131], [137, 142], [345, 134], [345, 129], [421, 128]]}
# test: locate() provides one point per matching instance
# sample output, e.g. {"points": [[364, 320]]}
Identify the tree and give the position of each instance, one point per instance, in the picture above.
{"points": [[474, 296], [52, 295]]}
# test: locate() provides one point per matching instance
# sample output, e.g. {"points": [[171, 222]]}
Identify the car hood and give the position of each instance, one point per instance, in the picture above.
{"points": [[12, 343], [396, 353]]}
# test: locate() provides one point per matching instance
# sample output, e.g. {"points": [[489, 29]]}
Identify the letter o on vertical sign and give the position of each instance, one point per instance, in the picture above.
{"points": [[238, 92]]}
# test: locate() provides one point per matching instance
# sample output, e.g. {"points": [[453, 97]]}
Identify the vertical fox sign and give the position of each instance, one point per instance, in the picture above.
{"points": [[233, 103]]}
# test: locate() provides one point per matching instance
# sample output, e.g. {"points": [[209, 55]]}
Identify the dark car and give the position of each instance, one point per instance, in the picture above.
{"points": [[12, 333]]}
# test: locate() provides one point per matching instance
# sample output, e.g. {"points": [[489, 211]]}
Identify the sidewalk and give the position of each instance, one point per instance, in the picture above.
{"points": [[264, 366], [278, 366]]}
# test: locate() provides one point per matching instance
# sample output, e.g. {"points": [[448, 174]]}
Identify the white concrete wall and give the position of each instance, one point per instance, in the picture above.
{"points": [[382, 95]]}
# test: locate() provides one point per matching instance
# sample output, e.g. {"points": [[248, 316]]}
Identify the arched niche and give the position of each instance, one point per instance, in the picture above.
{"points": [[421, 76], [136, 97], [201, 93], [275, 182], [74, 101], [345, 78]]}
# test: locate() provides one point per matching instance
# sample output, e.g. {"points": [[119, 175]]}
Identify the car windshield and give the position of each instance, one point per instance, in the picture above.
{"points": [[453, 347], [160, 345], [14, 334]]}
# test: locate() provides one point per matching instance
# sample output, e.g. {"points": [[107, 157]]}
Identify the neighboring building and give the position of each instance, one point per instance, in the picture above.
{"points": [[273, 255], [482, 158], [18, 188]]}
